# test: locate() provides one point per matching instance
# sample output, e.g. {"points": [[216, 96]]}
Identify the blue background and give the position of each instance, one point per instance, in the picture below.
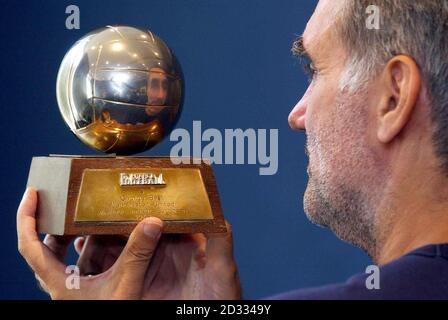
{"points": [[239, 73]]}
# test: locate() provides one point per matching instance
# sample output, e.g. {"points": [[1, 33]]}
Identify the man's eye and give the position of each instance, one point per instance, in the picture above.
{"points": [[310, 70]]}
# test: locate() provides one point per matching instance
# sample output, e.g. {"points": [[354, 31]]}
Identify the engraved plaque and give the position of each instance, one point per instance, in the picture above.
{"points": [[104, 197]]}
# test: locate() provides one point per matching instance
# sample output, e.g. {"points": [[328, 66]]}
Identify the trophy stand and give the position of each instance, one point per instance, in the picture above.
{"points": [[110, 195]]}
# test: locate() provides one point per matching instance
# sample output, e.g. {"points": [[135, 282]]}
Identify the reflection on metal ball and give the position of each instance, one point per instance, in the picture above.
{"points": [[120, 89]]}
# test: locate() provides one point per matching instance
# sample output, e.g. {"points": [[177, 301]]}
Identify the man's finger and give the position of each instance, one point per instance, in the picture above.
{"points": [[219, 246], [98, 253], [219, 252], [79, 244], [58, 244], [42, 260], [137, 254]]}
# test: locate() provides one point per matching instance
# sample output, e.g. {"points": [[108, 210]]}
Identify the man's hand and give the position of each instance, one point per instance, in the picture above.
{"points": [[182, 267]]}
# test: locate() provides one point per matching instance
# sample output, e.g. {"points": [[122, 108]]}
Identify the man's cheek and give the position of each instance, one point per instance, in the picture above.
{"points": [[310, 116]]}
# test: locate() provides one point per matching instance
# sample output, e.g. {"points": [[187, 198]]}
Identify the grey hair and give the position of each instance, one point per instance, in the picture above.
{"points": [[417, 28]]}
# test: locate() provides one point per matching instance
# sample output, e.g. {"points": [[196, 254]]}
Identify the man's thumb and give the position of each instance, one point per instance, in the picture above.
{"points": [[138, 252]]}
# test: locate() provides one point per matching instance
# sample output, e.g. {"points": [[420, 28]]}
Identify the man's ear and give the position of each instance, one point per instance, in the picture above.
{"points": [[401, 83]]}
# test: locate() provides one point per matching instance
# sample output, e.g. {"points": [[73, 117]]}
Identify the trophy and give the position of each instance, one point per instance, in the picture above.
{"points": [[120, 91]]}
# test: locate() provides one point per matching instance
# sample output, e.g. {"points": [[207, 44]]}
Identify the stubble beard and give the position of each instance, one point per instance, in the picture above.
{"points": [[333, 201]]}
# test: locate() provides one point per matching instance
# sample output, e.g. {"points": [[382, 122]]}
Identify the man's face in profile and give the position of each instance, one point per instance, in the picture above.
{"points": [[338, 143]]}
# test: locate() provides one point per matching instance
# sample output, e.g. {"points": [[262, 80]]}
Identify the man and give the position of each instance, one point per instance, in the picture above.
{"points": [[157, 87], [377, 132], [155, 90]]}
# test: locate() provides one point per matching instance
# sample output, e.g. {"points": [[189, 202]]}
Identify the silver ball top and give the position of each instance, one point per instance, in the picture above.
{"points": [[120, 89]]}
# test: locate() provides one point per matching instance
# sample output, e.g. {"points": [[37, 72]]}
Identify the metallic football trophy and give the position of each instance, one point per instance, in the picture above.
{"points": [[120, 91]]}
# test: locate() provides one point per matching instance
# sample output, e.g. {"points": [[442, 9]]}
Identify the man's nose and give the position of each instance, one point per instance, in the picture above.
{"points": [[161, 94], [296, 118]]}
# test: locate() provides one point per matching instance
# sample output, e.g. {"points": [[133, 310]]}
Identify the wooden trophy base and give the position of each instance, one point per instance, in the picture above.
{"points": [[110, 195]]}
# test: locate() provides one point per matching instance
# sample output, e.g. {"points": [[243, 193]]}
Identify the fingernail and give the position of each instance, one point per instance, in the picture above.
{"points": [[152, 227], [30, 189], [26, 193]]}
